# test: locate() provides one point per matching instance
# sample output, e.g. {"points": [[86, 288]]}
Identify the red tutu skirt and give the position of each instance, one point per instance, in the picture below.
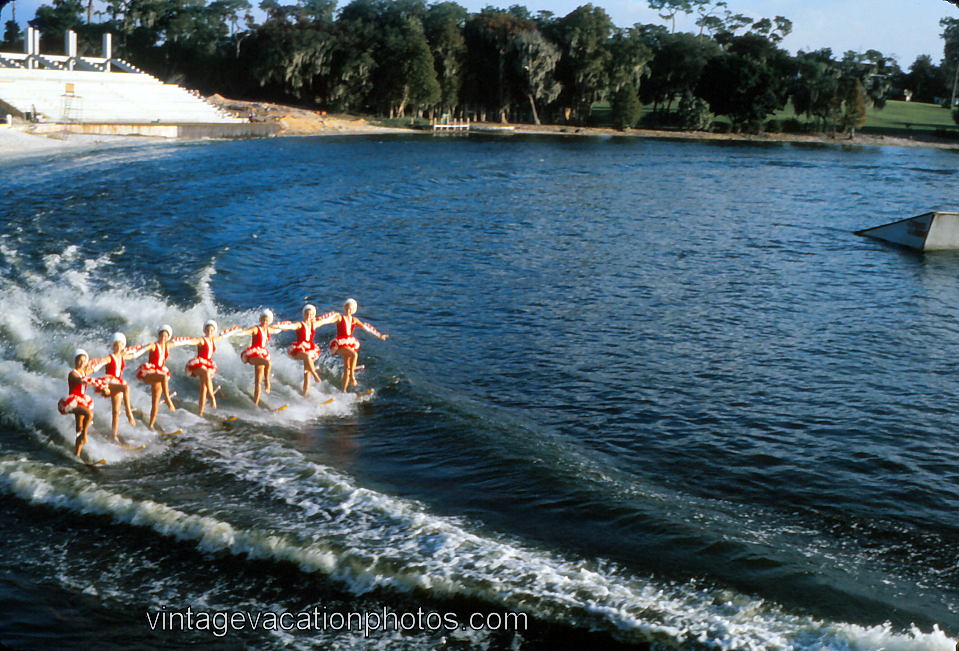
{"points": [[71, 402], [151, 369], [350, 343], [201, 362], [101, 384], [255, 352], [307, 347]]}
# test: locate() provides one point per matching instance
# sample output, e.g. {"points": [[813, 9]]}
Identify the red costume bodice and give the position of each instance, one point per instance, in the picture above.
{"points": [[77, 384], [260, 337], [115, 366], [159, 355], [305, 333], [344, 327], [206, 348]]}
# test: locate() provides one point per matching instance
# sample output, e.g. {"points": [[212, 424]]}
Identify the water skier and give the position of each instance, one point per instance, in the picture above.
{"points": [[305, 350], [155, 373], [112, 384], [77, 402], [345, 344], [202, 366], [258, 355]]}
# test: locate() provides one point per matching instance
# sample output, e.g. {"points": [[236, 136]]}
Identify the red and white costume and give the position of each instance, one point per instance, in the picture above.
{"points": [[344, 333], [204, 357], [113, 374], [258, 342], [77, 396], [157, 363], [304, 341]]}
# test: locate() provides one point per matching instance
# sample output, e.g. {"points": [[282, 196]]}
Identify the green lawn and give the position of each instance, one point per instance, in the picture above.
{"points": [[909, 118], [897, 118]]}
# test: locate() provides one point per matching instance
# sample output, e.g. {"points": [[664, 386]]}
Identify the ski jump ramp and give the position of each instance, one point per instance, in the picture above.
{"points": [[931, 231]]}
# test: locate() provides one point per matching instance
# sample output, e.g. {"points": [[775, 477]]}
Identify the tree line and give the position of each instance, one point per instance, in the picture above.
{"points": [[408, 58]]}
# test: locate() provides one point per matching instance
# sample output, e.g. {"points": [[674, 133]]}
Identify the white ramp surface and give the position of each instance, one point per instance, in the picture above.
{"points": [[932, 231]]}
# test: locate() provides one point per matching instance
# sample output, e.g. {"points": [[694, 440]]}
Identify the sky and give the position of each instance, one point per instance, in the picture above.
{"points": [[902, 28]]}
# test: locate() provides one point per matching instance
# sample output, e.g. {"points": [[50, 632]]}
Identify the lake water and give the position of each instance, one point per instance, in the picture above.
{"points": [[646, 392]]}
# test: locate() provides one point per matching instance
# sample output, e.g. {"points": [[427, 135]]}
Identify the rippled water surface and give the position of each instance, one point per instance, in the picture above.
{"points": [[647, 392]]}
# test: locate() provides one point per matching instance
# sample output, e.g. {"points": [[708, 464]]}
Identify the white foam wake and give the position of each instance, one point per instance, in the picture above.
{"points": [[402, 547]]}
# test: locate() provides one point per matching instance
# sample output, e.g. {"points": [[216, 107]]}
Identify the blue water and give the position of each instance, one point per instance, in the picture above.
{"points": [[647, 392]]}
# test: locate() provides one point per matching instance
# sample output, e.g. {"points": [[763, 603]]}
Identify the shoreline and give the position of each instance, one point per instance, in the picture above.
{"points": [[295, 121], [18, 143], [866, 140]]}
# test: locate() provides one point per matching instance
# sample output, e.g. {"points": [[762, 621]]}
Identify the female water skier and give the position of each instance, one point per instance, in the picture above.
{"points": [[258, 355], [155, 373], [304, 349], [77, 402], [202, 366], [112, 384], [345, 343]]}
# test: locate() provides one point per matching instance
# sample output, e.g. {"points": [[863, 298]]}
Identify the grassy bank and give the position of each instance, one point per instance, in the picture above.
{"points": [[905, 119], [899, 119]]}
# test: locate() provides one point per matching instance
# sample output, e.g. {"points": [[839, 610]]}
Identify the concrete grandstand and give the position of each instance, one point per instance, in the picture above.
{"points": [[105, 95]]}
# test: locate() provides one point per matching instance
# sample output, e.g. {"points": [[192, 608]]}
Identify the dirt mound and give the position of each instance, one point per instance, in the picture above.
{"points": [[293, 120]]}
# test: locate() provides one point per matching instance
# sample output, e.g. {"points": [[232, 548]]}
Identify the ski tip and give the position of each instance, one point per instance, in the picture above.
{"points": [[328, 402]]}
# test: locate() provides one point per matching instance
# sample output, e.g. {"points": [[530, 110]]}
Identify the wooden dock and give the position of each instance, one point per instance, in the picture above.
{"points": [[446, 125]]}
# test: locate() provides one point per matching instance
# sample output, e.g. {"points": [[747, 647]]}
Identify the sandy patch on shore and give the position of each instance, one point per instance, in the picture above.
{"points": [[300, 122]]}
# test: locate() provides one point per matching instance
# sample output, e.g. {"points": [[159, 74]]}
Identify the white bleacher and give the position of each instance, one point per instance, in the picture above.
{"points": [[103, 98], [101, 90]]}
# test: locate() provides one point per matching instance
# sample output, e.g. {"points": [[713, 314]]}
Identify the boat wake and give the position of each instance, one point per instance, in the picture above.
{"points": [[282, 507]]}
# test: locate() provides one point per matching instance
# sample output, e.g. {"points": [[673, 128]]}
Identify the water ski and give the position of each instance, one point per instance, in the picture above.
{"points": [[213, 418], [132, 448], [328, 401], [218, 419], [267, 407], [156, 426], [92, 464]]}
